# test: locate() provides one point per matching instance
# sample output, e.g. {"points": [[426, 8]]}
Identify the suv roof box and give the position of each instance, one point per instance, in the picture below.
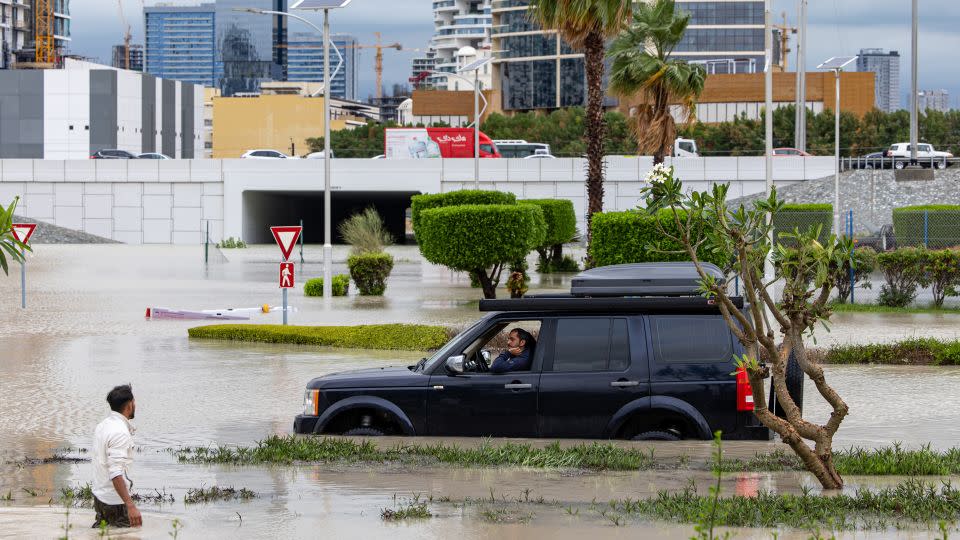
{"points": [[643, 279]]}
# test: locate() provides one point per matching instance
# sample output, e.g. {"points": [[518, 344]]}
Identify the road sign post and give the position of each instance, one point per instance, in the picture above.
{"points": [[23, 232], [286, 238]]}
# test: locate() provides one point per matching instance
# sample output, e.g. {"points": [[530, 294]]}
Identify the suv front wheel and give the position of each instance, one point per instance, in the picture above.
{"points": [[363, 432], [656, 436]]}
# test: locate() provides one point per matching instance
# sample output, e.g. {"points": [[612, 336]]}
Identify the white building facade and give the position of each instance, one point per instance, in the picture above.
{"points": [[458, 24]]}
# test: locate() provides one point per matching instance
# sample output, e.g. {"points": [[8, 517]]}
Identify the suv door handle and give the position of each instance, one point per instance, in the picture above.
{"points": [[518, 386], [624, 384]]}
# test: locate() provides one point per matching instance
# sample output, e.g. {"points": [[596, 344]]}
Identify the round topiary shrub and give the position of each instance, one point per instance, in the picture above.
{"points": [[340, 286], [561, 220], [419, 203], [481, 239], [370, 272]]}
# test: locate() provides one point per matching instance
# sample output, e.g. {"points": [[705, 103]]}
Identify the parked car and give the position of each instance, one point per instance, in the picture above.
{"points": [[264, 154], [613, 359], [926, 156], [540, 154], [381, 156], [319, 155], [153, 155], [112, 154], [790, 152]]}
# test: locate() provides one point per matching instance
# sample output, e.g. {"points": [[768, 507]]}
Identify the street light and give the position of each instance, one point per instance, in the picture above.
{"points": [[475, 68], [836, 64]]}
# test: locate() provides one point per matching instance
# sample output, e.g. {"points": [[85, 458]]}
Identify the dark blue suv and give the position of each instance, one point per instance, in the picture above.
{"points": [[631, 353]]}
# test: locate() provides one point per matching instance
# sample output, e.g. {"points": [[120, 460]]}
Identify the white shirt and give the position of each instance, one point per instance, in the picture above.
{"points": [[112, 456]]}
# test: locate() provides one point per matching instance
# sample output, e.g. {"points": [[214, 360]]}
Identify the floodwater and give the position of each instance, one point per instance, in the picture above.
{"points": [[84, 332]]}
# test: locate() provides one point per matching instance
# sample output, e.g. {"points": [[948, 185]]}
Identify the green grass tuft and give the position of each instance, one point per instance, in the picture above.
{"points": [[916, 351], [874, 308], [409, 337]]}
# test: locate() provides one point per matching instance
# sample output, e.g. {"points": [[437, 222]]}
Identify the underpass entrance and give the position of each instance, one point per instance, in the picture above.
{"points": [[262, 209]]}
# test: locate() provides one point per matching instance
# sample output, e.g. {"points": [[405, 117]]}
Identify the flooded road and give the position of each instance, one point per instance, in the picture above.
{"points": [[84, 332]]}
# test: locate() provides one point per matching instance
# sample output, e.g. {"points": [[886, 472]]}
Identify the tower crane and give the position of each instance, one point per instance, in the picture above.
{"points": [[45, 52], [126, 36], [785, 32]]}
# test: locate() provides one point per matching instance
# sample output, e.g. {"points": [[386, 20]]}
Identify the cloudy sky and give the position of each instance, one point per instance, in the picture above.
{"points": [[837, 27]]}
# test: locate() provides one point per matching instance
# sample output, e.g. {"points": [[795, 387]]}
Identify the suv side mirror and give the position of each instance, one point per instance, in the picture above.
{"points": [[455, 363]]}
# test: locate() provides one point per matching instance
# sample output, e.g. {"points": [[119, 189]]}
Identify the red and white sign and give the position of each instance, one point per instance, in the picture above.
{"points": [[286, 238], [23, 231], [286, 275]]}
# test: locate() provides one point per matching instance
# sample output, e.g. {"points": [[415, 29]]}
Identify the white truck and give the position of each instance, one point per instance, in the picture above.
{"points": [[926, 156]]}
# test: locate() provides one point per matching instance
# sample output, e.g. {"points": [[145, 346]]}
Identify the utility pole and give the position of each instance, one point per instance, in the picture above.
{"points": [[768, 118], [800, 127], [914, 105]]}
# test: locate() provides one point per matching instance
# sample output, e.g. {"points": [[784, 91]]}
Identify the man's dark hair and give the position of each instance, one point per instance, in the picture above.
{"points": [[120, 396], [526, 337]]}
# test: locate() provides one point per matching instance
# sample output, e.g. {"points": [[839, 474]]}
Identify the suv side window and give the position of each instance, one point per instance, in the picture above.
{"points": [[591, 344], [690, 339]]}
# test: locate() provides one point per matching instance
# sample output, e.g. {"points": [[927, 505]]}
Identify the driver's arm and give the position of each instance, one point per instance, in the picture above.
{"points": [[503, 363]]}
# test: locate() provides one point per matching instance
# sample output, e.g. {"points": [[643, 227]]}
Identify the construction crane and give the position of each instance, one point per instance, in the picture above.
{"points": [[126, 36], [45, 51], [785, 32]]}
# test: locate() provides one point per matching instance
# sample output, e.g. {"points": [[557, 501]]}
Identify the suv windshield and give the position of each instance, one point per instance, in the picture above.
{"points": [[445, 351]]}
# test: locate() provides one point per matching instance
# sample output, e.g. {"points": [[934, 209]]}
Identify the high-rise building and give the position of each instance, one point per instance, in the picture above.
{"points": [[16, 23], [458, 24], [181, 43], [305, 62], [934, 100], [423, 65], [17, 30], [251, 48], [120, 57], [725, 36], [886, 66]]}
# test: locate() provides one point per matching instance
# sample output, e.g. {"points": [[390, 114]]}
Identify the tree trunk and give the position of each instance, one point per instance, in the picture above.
{"points": [[487, 285], [556, 253], [594, 49]]}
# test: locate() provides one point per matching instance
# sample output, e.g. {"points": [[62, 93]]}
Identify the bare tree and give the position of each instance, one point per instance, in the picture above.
{"points": [[771, 333]]}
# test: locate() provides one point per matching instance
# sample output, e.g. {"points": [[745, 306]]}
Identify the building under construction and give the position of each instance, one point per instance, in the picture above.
{"points": [[33, 33]]}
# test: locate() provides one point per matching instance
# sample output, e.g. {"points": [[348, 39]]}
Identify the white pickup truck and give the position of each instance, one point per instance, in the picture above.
{"points": [[926, 156]]}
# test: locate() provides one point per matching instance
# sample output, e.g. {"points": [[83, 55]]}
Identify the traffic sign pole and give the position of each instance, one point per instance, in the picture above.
{"points": [[284, 307], [23, 232], [286, 238]]}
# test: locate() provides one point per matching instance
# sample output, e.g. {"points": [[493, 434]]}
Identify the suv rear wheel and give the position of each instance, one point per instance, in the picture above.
{"points": [[363, 432], [656, 436]]}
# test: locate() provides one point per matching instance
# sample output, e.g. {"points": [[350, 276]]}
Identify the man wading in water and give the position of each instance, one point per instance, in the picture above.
{"points": [[112, 455]]}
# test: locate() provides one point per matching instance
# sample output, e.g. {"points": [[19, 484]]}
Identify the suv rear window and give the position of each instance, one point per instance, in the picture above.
{"points": [[594, 344], [690, 339]]}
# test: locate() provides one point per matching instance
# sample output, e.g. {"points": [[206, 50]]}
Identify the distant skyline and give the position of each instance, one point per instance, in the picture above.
{"points": [[836, 27]]}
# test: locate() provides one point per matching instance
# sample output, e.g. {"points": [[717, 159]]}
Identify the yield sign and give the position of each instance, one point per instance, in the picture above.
{"points": [[23, 231], [286, 238]]}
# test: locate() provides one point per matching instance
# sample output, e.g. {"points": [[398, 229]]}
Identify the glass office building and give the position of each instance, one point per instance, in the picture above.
{"points": [[180, 43], [305, 62], [538, 70], [251, 48]]}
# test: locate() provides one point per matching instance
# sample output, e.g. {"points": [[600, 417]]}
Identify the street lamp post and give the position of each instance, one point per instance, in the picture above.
{"points": [[836, 64], [325, 6], [477, 111], [914, 104]]}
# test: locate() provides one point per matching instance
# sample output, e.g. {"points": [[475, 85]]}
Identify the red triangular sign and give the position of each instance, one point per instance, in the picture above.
{"points": [[286, 238], [23, 231]]}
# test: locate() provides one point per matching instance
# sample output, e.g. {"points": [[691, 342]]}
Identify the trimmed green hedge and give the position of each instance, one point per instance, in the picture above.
{"points": [[560, 217], [340, 286], [410, 337], [419, 203], [624, 237], [474, 237], [919, 351], [943, 225], [370, 272], [803, 216]]}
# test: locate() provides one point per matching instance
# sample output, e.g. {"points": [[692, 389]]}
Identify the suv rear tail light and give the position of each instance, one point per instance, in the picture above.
{"points": [[744, 394]]}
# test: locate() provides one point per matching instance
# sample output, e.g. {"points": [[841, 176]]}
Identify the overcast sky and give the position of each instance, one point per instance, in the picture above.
{"points": [[837, 27]]}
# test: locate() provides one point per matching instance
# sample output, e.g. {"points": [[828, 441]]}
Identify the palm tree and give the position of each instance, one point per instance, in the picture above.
{"points": [[642, 66], [586, 25]]}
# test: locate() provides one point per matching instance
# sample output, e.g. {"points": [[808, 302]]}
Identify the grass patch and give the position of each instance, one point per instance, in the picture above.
{"points": [[410, 337], [917, 351], [288, 450], [215, 493], [892, 460], [412, 509], [909, 503], [874, 308]]}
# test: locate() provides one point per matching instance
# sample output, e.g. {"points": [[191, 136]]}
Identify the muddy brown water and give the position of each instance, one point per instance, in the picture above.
{"points": [[84, 332]]}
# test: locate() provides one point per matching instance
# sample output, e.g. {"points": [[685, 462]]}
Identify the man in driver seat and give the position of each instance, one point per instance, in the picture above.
{"points": [[517, 357]]}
